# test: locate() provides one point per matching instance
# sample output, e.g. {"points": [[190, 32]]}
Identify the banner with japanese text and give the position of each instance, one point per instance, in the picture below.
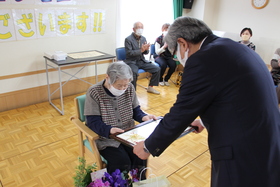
{"points": [[7, 31], [46, 23], [24, 24], [47, 2], [65, 22], [98, 21], [82, 21]]}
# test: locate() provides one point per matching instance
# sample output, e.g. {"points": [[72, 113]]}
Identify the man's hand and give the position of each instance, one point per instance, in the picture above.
{"points": [[145, 47], [148, 117], [115, 130], [138, 149], [197, 124]]}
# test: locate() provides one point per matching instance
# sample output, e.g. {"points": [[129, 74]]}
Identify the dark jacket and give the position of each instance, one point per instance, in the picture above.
{"points": [[133, 49], [229, 86]]}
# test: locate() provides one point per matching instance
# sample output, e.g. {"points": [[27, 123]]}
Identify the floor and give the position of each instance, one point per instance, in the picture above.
{"points": [[39, 146]]}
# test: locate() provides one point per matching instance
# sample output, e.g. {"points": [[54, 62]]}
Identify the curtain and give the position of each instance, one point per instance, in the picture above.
{"points": [[178, 8]]}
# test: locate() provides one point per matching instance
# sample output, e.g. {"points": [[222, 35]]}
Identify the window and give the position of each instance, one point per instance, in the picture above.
{"points": [[152, 13]]}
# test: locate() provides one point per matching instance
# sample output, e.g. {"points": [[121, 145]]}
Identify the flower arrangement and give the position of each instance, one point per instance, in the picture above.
{"points": [[117, 178]]}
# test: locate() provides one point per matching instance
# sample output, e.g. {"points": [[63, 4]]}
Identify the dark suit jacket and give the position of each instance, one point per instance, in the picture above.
{"points": [[133, 49], [229, 86]]}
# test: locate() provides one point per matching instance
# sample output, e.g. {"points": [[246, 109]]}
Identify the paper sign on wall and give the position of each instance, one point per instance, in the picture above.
{"points": [[24, 22], [7, 32], [46, 23]]}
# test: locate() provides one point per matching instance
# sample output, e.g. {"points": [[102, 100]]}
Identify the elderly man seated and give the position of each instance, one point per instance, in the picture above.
{"points": [[136, 46]]}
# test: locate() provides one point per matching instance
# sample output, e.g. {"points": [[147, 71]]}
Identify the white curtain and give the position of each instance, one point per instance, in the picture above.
{"points": [[152, 13]]}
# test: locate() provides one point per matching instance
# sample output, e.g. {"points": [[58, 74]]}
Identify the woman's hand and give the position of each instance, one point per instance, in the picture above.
{"points": [[115, 130], [149, 117]]}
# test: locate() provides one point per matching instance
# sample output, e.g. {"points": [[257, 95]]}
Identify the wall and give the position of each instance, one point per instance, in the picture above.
{"points": [[232, 16], [22, 64], [197, 10]]}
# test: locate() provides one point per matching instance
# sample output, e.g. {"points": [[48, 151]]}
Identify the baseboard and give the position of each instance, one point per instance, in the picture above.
{"points": [[26, 97]]}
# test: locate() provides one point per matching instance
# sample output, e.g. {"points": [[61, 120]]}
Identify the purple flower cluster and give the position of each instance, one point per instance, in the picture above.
{"points": [[116, 179]]}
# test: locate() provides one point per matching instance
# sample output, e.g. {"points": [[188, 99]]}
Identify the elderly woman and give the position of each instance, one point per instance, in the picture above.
{"points": [[111, 106]]}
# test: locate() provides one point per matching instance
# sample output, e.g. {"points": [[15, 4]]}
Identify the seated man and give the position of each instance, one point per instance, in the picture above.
{"points": [[136, 46], [111, 106]]}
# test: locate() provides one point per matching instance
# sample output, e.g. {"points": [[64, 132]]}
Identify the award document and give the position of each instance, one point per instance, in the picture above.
{"points": [[141, 132]]}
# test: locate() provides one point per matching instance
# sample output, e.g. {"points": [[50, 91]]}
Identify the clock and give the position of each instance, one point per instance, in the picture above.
{"points": [[259, 4]]}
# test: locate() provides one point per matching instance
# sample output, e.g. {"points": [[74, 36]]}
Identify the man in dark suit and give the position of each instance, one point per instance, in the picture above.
{"points": [[135, 47], [229, 86]]}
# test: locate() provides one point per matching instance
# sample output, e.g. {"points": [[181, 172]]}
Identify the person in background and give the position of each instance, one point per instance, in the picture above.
{"points": [[275, 61], [111, 106], [275, 71], [135, 47], [230, 88], [245, 35], [163, 57]]}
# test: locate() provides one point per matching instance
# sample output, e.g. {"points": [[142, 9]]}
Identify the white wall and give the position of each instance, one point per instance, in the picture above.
{"points": [[197, 10], [232, 16], [27, 56]]}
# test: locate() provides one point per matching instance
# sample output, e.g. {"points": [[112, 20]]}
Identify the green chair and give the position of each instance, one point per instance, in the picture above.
{"points": [[86, 136]]}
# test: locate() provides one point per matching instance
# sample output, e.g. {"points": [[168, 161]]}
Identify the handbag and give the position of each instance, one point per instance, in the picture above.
{"points": [[160, 181]]}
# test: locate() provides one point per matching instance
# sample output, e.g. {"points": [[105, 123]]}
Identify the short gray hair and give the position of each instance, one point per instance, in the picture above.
{"points": [[119, 71], [190, 29], [135, 24]]}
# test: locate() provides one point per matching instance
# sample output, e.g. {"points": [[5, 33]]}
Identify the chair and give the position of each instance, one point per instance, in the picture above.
{"points": [[86, 136], [120, 53]]}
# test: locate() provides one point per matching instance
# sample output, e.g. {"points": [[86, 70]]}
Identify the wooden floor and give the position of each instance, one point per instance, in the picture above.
{"points": [[39, 146]]}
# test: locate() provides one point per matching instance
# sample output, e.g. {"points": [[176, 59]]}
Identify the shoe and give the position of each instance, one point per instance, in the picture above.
{"points": [[161, 83], [152, 90], [166, 84]]}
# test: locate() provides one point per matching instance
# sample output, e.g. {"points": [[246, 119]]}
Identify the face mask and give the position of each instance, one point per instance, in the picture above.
{"points": [[164, 33], [182, 61], [115, 91], [245, 37], [139, 32]]}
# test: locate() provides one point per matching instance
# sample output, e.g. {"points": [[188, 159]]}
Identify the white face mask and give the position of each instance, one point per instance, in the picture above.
{"points": [[245, 37], [139, 32], [182, 61], [164, 33], [115, 91]]}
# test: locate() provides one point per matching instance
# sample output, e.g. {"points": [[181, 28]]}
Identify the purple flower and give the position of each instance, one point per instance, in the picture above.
{"points": [[133, 174], [99, 183], [116, 179]]}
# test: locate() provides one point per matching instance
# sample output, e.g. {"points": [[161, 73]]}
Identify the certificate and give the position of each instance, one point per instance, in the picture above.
{"points": [[141, 132], [87, 54]]}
